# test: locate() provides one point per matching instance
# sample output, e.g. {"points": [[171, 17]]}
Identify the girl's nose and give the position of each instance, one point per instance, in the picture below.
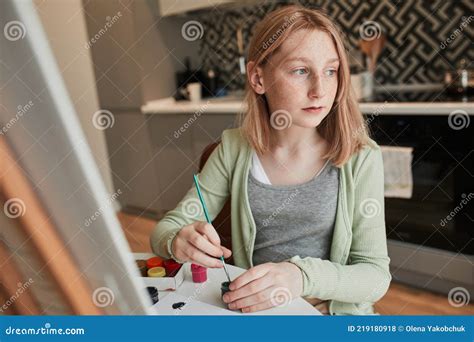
{"points": [[316, 88]]}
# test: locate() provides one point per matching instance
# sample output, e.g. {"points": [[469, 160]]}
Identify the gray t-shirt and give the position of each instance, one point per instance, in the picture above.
{"points": [[294, 219]]}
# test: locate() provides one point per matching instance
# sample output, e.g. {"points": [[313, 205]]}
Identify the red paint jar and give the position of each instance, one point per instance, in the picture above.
{"points": [[154, 262], [172, 267], [199, 273]]}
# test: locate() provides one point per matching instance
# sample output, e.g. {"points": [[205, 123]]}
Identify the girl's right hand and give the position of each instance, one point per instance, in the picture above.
{"points": [[200, 244]]}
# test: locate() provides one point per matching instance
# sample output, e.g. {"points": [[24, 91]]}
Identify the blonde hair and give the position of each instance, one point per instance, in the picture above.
{"points": [[344, 127]]}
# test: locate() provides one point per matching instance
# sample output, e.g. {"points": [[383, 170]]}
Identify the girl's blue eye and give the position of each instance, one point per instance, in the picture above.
{"points": [[331, 72], [296, 71]]}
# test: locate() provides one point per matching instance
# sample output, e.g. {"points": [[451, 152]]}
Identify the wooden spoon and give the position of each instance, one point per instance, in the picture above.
{"points": [[372, 49]]}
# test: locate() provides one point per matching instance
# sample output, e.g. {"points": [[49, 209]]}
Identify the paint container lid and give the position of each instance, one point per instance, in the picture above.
{"points": [[197, 268], [225, 287], [199, 273], [153, 292], [157, 272], [172, 267], [154, 262]]}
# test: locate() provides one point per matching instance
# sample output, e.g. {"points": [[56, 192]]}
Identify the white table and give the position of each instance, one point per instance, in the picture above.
{"points": [[205, 298]]}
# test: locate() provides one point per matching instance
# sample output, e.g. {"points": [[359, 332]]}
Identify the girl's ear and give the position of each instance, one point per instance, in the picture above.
{"points": [[255, 77]]}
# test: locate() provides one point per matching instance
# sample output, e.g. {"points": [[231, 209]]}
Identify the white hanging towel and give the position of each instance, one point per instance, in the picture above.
{"points": [[397, 171]]}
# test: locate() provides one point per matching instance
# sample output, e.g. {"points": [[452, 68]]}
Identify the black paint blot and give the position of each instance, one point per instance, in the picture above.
{"points": [[178, 305]]}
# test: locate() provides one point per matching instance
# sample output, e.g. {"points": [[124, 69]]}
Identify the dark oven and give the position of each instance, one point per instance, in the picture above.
{"points": [[438, 219], [440, 213]]}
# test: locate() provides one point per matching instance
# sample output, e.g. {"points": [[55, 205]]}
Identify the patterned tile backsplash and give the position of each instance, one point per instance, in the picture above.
{"points": [[424, 38]]}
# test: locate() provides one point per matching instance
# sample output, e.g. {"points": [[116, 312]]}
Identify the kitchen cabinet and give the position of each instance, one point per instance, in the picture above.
{"points": [[153, 161], [177, 152], [172, 7], [131, 160]]}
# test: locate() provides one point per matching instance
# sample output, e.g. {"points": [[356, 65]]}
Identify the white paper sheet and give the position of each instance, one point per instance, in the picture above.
{"points": [[192, 307]]}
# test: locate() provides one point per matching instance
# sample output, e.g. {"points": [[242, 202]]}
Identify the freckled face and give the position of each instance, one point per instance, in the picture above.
{"points": [[303, 73]]}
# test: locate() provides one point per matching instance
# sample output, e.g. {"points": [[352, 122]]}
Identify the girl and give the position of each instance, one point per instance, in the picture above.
{"points": [[307, 204]]}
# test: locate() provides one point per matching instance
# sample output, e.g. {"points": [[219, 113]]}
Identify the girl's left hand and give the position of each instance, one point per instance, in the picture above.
{"points": [[265, 286]]}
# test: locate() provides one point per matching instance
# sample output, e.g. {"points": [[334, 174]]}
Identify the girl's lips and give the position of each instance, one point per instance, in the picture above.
{"points": [[313, 109]]}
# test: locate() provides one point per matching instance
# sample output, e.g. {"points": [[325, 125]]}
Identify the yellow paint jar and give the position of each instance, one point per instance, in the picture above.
{"points": [[157, 272]]}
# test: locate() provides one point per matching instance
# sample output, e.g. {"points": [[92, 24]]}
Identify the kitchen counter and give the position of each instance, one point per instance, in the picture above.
{"points": [[175, 133], [234, 105], [219, 105]]}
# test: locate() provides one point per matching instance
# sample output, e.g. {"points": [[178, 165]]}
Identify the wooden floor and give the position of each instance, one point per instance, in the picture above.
{"points": [[399, 300]]}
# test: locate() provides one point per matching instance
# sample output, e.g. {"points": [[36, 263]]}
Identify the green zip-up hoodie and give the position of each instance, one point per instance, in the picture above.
{"points": [[357, 273]]}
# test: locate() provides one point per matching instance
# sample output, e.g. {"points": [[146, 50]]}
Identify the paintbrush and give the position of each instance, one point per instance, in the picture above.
{"points": [[196, 182]]}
